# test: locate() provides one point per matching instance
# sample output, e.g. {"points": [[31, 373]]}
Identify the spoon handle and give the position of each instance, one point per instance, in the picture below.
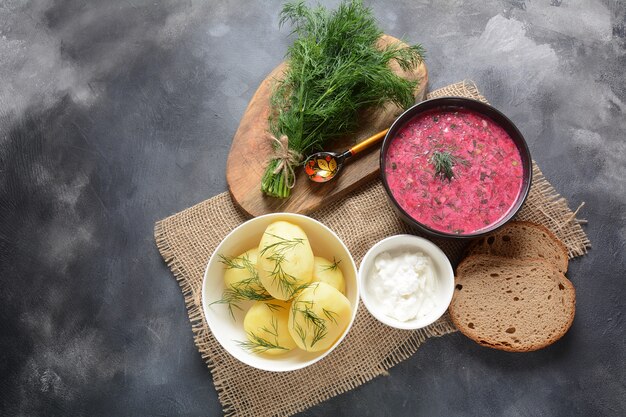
{"points": [[367, 142]]}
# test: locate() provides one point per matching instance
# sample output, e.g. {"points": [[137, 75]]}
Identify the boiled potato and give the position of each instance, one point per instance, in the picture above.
{"points": [[241, 271], [319, 316], [285, 261], [266, 327], [328, 272]]}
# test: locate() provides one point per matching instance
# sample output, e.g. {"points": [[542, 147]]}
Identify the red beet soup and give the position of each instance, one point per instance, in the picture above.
{"points": [[454, 171]]}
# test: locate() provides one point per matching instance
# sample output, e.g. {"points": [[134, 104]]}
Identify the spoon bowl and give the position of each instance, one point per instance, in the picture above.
{"points": [[323, 166]]}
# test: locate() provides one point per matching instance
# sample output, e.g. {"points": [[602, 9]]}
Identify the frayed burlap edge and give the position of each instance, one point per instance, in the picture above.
{"points": [[545, 206], [186, 240]]}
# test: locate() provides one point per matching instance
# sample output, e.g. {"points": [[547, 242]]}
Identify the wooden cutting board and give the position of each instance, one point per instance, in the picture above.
{"points": [[251, 150]]}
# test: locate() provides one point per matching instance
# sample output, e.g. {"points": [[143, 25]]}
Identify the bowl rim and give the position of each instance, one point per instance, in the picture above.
{"points": [[206, 303], [485, 109], [407, 241]]}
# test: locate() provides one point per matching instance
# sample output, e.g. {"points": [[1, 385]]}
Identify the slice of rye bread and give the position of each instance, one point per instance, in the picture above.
{"points": [[523, 240], [517, 305]]}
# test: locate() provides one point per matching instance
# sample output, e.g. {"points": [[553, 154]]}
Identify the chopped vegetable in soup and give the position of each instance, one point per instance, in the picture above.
{"points": [[454, 171]]}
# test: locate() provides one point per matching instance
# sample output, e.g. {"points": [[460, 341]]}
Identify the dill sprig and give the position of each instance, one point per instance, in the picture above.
{"points": [[282, 245], [240, 292], [335, 69], [286, 283], [330, 315], [231, 262], [258, 344], [444, 161], [313, 322], [331, 267], [274, 307], [249, 289]]}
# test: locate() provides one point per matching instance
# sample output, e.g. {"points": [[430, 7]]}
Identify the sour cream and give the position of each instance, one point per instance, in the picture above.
{"points": [[403, 284]]}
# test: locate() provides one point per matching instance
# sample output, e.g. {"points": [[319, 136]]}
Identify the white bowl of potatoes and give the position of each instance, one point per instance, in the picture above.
{"points": [[280, 292]]}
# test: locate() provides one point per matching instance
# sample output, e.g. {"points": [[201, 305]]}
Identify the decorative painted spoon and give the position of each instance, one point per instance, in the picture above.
{"points": [[324, 166]]}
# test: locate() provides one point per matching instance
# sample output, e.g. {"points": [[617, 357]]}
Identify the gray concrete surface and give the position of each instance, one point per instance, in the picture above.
{"points": [[116, 114]]}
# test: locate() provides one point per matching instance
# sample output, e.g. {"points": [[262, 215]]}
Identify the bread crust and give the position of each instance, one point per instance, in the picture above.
{"points": [[456, 311], [475, 246]]}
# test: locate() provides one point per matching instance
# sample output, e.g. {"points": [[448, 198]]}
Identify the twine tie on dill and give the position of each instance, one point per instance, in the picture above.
{"points": [[287, 158]]}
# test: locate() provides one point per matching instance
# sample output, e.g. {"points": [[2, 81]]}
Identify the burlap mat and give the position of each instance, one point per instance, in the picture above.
{"points": [[187, 239]]}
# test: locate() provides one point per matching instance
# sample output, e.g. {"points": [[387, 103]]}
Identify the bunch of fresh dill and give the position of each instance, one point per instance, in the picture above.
{"points": [[334, 70]]}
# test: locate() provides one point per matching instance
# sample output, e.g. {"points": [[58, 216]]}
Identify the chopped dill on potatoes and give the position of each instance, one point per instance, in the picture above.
{"points": [[279, 250], [266, 327], [312, 320], [257, 344], [319, 315], [333, 266], [247, 289], [231, 262]]}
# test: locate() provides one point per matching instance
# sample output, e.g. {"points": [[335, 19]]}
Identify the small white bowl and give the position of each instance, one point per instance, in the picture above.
{"points": [[324, 242], [442, 271]]}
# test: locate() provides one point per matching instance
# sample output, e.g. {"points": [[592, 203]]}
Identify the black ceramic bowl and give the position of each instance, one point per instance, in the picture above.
{"points": [[459, 103]]}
